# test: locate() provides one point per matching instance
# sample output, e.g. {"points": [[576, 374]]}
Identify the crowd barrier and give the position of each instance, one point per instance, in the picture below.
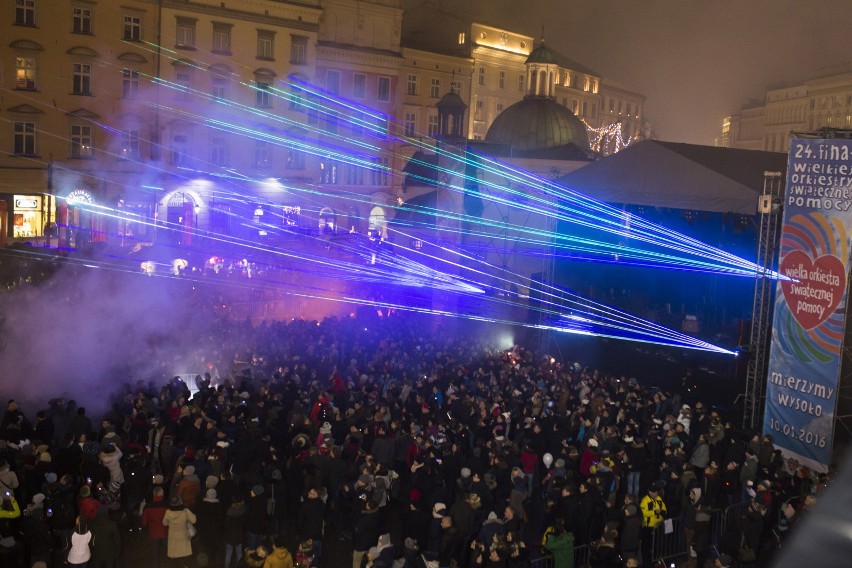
{"points": [[668, 538], [666, 544], [581, 558]]}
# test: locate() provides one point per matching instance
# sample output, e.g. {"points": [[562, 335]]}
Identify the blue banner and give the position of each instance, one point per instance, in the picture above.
{"points": [[810, 305]]}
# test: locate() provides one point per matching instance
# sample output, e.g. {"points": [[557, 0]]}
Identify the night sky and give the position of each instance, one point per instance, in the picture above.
{"points": [[695, 61]]}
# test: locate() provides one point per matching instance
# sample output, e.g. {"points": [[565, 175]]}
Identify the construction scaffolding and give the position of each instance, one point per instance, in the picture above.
{"points": [[770, 208]]}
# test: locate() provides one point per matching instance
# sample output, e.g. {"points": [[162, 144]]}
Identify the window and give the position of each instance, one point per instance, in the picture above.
{"points": [[521, 82], [24, 143], [183, 78], [82, 21], [629, 109], [265, 45], [354, 175], [262, 94], [611, 105], [129, 83], [220, 88], [435, 91], [359, 86], [380, 171], [185, 33], [180, 150], [81, 79], [25, 73], [219, 152], [574, 106], [130, 144], [298, 50], [585, 108], [221, 38], [25, 12], [331, 123], [133, 28], [500, 106], [502, 80], [332, 82], [410, 123], [329, 171], [262, 154], [412, 85], [383, 91], [461, 38], [482, 75], [432, 126], [297, 98], [81, 141], [295, 160], [480, 111]]}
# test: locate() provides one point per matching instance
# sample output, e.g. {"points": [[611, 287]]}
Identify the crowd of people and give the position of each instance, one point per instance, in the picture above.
{"points": [[412, 445]]}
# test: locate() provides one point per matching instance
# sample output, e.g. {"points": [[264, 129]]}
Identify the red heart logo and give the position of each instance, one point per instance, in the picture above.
{"points": [[819, 285]]}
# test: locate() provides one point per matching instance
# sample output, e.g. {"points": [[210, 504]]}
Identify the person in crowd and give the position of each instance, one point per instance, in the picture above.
{"points": [[108, 538], [81, 542], [179, 547], [388, 429], [152, 520]]}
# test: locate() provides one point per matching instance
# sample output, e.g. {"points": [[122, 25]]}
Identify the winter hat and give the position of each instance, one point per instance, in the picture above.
{"points": [[257, 489], [384, 541], [50, 477], [593, 443], [85, 491], [465, 472], [159, 479], [439, 511], [560, 463], [38, 498], [210, 495], [211, 481], [697, 492], [189, 470], [44, 457], [492, 516]]}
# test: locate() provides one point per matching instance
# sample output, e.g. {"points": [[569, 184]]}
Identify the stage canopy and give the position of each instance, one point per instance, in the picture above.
{"points": [[678, 176]]}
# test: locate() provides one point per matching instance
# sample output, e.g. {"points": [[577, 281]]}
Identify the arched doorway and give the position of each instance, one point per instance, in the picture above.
{"points": [[327, 220], [378, 223], [181, 218]]}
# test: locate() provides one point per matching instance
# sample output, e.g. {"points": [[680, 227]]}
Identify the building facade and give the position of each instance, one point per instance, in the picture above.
{"points": [[821, 102], [184, 117]]}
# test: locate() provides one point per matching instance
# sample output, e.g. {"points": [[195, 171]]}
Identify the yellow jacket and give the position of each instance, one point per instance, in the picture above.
{"points": [[653, 511], [12, 513]]}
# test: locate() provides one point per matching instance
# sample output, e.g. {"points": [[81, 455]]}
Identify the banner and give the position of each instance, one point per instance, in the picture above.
{"points": [[810, 305]]}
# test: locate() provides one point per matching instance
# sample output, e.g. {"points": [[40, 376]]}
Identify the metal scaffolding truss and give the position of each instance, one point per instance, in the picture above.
{"points": [[770, 207]]}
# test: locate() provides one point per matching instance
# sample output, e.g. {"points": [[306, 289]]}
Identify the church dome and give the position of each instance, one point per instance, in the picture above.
{"points": [[538, 123]]}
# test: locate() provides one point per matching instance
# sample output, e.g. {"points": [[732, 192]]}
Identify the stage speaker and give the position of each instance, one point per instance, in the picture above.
{"points": [[764, 204]]}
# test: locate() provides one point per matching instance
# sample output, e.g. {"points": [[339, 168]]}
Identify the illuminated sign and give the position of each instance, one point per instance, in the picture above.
{"points": [[79, 196], [27, 202]]}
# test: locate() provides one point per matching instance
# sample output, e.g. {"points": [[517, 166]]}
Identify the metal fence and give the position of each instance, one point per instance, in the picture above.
{"points": [[581, 558], [668, 538]]}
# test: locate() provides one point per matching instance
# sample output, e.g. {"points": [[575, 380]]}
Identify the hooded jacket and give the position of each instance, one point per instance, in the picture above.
{"points": [[279, 558]]}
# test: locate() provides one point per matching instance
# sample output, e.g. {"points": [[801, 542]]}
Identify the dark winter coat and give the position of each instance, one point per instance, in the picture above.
{"points": [[107, 540]]}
